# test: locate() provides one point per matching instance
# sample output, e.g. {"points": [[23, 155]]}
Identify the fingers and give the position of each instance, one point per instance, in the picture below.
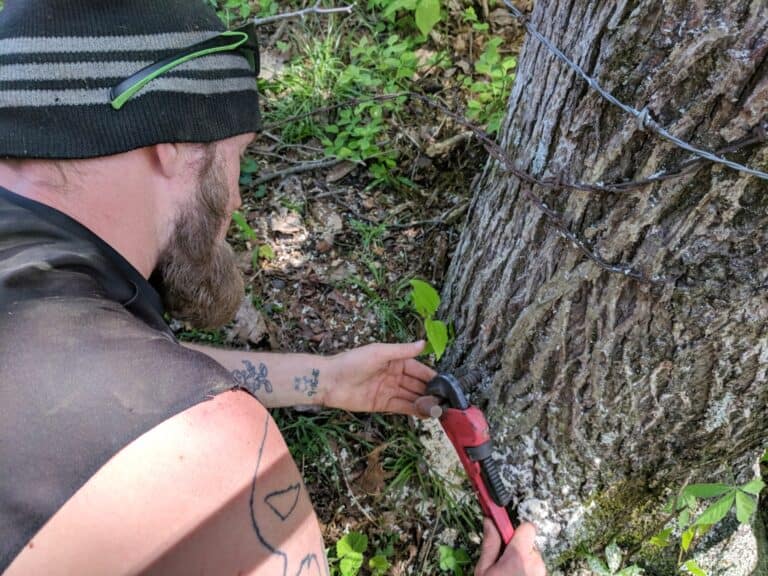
{"points": [[413, 385], [489, 551], [400, 406], [524, 540], [401, 351], [419, 371], [522, 550], [428, 407]]}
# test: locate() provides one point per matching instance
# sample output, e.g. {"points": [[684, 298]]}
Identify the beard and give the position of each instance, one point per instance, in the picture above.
{"points": [[199, 280]]}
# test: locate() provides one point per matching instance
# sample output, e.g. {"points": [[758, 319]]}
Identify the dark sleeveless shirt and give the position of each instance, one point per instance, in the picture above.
{"points": [[87, 363]]}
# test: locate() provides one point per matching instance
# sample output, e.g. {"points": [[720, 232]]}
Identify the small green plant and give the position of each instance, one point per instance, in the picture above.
{"points": [[350, 556], [262, 252], [684, 506], [426, 301], [248, 169], [426, 13], [452, 560], [349, 551], [370, 234], [488, 103]]}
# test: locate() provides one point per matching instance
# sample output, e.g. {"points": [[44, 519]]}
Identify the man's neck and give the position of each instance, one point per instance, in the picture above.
{"points": [[107, 209]]}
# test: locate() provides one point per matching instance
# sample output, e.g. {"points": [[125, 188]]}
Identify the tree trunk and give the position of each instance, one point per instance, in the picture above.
{"points": [[604, 388]]}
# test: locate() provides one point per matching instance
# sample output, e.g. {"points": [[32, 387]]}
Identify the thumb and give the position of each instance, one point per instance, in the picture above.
{"points": [[402, 351], [490, 549]]}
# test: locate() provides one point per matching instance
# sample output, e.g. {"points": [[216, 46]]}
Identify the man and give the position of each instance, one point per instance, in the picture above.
{"points": [[122, 451]]}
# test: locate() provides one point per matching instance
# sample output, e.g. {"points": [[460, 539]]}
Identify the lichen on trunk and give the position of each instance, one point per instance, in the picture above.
{"points": [[600, 380]]}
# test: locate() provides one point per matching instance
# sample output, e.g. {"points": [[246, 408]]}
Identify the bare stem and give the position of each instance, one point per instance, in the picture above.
{"points": [[316, 9]]}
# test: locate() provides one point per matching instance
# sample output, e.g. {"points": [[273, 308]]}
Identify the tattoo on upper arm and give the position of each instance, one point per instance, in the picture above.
{"points": [[283, 502], [307, 384], [251, 378]]}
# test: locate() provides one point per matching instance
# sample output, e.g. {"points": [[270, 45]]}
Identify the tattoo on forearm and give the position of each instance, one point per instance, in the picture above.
{"points": [[251, 378], [307, 384]]}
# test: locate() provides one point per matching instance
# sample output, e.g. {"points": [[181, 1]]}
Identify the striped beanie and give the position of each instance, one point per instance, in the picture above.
{"points": [[61, 59]]}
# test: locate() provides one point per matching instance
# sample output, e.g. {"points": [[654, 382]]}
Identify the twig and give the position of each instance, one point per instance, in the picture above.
{"points": [[316, 9], [298, 169], [448, 218]]}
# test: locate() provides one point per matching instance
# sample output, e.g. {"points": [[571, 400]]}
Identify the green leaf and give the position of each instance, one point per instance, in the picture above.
{"points": [[378, 565], [765, 456], [425, 299], [693, 568], [437, 334], [662, 538], [687, 538], [350, 565], [243, 226], [349, 550], [427, 15], [613, 556], [754, 487], [446, 558], [745, 506], [452, 559], [266, 252], [597, 566], [716, 511], [249, 166], [353, 542], [706, 490]]}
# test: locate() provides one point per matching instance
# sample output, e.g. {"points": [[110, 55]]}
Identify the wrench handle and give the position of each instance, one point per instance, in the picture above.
{"points": [[469, 433]]}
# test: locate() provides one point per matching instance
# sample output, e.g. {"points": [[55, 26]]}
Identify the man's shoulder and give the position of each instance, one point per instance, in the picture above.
{"points": [[191, 485], [99, 338]]}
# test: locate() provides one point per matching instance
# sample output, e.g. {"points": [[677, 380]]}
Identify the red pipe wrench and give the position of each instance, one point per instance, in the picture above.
{"points": [[469, 433]]}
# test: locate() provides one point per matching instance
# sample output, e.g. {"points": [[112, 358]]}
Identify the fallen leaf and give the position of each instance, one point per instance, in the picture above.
{"points": [[373, 479], [339, 171], [288, 222], [249, 325]]}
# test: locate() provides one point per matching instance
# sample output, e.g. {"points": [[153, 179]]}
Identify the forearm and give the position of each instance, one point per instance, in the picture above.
{"points": [[277, 380]]}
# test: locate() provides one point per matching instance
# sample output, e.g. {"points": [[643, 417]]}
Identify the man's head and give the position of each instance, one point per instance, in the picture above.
{"points": [[153, 172]]}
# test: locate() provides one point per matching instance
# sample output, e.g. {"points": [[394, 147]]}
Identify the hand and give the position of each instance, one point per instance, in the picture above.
{"points": [[378, 378], [520, 558]]}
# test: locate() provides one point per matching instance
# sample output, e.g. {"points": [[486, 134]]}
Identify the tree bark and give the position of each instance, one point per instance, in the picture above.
{"points": [[602, 385]]}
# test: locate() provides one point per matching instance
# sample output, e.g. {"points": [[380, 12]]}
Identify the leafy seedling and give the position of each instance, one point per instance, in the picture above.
{"points": [[425, 300], [349, 551], [453, 560]]}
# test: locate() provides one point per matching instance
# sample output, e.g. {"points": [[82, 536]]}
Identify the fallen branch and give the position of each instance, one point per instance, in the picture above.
{"points": [[316, 9], [298, 169]]}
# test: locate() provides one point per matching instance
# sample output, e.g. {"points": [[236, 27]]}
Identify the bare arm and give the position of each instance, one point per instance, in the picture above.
{"points": [[211, 491], [277, 380], [373, 378]]}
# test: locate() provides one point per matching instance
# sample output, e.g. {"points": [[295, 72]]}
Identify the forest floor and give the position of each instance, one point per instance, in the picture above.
{"points": [[341, 209]]}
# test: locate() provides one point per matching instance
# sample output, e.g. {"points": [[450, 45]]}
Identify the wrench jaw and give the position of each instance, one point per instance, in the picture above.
{"points": [[449, 390]]}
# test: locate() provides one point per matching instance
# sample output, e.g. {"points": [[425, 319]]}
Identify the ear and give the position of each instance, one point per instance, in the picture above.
{"points": [[169, 159]]}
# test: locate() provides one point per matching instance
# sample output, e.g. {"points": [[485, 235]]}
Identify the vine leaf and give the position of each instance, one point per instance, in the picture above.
{"points": [[754, 487], [745, 507], [716, 511], [427, 15], [425, 298]]}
